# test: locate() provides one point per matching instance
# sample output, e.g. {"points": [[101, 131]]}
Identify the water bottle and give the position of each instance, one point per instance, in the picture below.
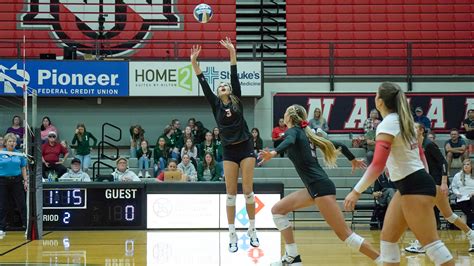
{"points": [[50, 177]]}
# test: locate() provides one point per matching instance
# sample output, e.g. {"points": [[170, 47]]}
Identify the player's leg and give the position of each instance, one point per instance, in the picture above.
{"points": [[247, 166], [231, 172]]}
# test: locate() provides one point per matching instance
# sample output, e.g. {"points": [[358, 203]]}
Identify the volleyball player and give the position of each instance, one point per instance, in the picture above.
{"points": [[412, 206], [320, 190], [438, 166], [236, 141]]}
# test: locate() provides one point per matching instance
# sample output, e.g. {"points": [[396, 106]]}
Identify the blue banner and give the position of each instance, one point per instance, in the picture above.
{"points": [[64, 78]]}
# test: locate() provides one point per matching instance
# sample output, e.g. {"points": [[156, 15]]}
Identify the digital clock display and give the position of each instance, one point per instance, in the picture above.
{"points": [[93, 206]]}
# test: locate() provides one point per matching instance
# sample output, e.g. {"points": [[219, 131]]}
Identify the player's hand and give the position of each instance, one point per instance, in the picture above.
{"points": [[351, 200], [266, 155], [444, 189], [227, 43], [358, 164], [195, 52]]}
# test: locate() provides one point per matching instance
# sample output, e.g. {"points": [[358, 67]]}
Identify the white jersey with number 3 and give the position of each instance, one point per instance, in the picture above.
{"points": [[404, 159]]}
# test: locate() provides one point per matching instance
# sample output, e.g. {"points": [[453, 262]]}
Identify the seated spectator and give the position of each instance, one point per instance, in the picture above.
{"points": [[257, 141], [278, 134], [468, 125], [46, 127], [463, 188], [208, 169], [369, 145], [318, 121], [191, 150], [192, 123], [207, 146], [188, 134], [383, 192], [83, 149], [50, 152], [420, 118], [170, 142], [172, 166], [17, 129], [137, 135], [189, 172], [199, 132], [178, 133], [218, 144], [122, 173], [431, 136], [371, 123], [160, 156], [144, 159], [455, 148], [75, 173]]}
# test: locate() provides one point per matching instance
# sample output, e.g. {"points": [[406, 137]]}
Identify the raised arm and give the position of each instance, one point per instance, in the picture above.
{"points": [[211, 98], [234, 78]]}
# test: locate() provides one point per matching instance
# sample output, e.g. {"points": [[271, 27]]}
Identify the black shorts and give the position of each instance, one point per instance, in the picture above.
{"points": [[237, 152], [417, 183], [320, 188]]}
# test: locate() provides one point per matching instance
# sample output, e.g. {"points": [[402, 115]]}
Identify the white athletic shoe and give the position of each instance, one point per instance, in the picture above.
{"points": [[147, 175], [288, 261], [233, 242], [140, 175], [2, 234], [252, 233], [471, 244], [415, 247]]}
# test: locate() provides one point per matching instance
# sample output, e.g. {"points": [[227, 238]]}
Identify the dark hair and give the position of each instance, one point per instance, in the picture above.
{"points": [[172, 160], [258, 132], [453, 129], [174, 121], [13, 119], [395, 100], [140, 135], [470, 110], [213, 163], [42, 126], [167, 129]]}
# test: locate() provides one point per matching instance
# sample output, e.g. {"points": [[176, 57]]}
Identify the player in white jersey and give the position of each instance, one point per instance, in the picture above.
{"points": [[412, 206]]}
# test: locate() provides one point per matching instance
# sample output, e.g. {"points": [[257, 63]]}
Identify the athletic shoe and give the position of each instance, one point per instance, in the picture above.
{"points": [[2, 234], [147, 175], [140, 175], [288, 260], [252, 233], [233, 242], [470, 236], [415, 247]]}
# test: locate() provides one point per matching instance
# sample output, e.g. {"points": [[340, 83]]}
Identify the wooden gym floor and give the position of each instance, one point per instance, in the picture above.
{"points": [[122, 248]]}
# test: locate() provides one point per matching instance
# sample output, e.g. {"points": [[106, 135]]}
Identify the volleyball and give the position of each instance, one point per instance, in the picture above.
{"points": [[203, 13]]}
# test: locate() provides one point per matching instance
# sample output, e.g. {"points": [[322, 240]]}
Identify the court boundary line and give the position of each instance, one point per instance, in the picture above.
{"points": [[21, 245]]}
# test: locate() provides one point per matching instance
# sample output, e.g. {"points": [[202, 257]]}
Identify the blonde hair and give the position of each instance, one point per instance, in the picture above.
{"points": [[9, 136], [297, 113], [233, 99], [395, 100], [463, 175]]}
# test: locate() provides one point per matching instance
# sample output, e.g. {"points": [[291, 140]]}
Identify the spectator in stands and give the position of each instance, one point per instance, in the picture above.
{"points": [[431, 136], [160, 156], [192, 123], [468, 124], [455, 148], [13, 181], [65, 145], [178, 133], [207, 146], [188, 169], [46, 127], [122, 173], [278, 134], [383, 192], [257, 140], [208, 169], [188, 134], [171, 166], [318, 121], [463, 188], [17, 129], [173, 150], [137, 135], [199, 132], [144, 159], [75, 173], [50, 152], [217, 143], [420, 118], [191, 150], [83, 149], [371, 123]]}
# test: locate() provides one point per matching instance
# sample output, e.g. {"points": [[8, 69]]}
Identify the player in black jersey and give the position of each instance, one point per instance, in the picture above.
{"points": [[237, 146], [320, 190]]}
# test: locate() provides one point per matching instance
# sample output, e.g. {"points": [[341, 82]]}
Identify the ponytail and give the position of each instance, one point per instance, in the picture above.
{"points": [[329, 151], [406, 119]]}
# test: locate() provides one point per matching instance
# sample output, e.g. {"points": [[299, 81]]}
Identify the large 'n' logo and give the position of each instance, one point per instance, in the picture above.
{"points": [[114, 27]]}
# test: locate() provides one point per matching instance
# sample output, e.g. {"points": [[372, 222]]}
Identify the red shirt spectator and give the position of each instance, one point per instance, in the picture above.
{"points": [[278, 134], [51, 151]]}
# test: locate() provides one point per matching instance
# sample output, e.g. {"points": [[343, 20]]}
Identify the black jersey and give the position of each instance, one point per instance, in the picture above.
{"points": [[296, 143], [437, 165], [230, 119]]}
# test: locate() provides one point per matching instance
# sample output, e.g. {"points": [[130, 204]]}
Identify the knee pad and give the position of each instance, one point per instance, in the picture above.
{"points": [[438, 252], [354, 241], [250, 198], [452, 218], [390, 252], [231, 200], [281, 221]]}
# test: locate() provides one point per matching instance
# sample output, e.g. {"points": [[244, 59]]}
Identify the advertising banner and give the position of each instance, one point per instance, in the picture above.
{"points": [[64, 78], [346, 112]]}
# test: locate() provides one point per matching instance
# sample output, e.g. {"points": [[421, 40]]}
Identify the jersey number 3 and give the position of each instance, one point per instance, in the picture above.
{"points": [[228, 113]]}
